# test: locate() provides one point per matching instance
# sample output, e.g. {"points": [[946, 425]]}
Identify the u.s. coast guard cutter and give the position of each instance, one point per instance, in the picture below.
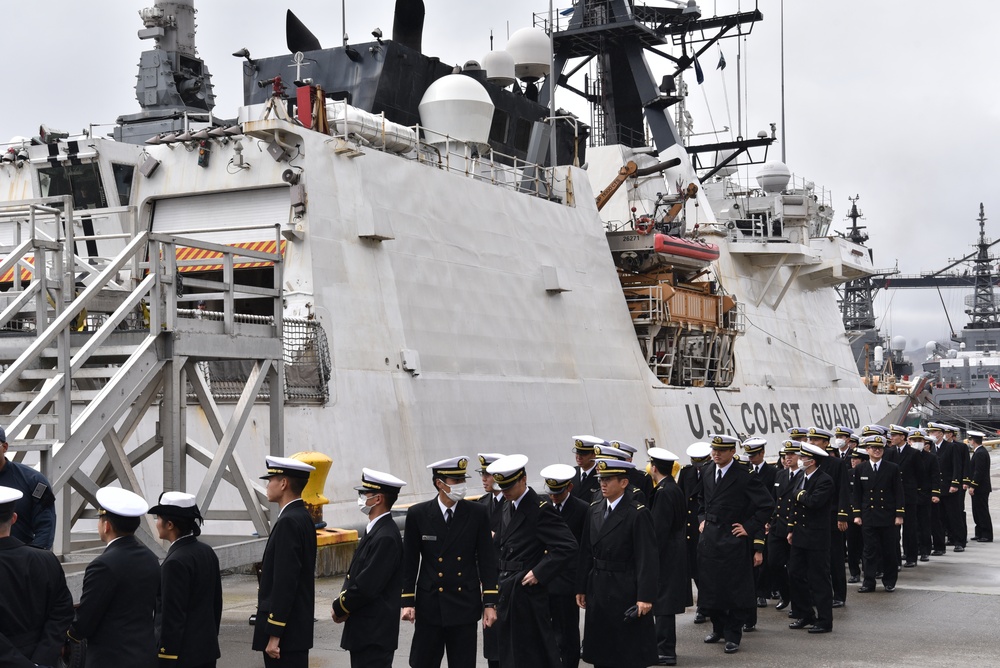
{"points": [[378, 259]]}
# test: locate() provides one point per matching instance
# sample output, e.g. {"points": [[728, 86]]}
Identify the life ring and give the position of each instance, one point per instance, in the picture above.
{"points": [[644, 225]]}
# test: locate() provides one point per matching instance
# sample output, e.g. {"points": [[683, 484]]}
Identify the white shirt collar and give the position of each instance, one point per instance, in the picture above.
{"points": [[724, 469], [614, 504], [368, 529], [286, 505], [444, 508], [497, 496], [517, 501]]}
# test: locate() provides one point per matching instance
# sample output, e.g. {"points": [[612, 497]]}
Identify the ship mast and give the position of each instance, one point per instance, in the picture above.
{"points": [[984, 312], [858, 295]]}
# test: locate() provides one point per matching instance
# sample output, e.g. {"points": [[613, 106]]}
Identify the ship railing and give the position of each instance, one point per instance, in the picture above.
{"points": [[739, 186], [646, 304]]}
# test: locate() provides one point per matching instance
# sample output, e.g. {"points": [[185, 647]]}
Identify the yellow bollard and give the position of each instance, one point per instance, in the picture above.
{"points": [[313, 493]]}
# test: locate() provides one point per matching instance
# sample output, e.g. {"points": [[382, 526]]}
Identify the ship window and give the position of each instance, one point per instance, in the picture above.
{"points": [[82, 182], [123, 181], [501, 123], [522, 134]]}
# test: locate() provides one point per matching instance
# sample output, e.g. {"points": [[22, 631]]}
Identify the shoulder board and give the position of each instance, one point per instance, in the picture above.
{"points": [[594, 503], [639, 506], [636, 489], [542, 504]]}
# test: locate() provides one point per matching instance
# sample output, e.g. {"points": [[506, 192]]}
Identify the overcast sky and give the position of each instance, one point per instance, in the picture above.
{"points": [[895, 100]]}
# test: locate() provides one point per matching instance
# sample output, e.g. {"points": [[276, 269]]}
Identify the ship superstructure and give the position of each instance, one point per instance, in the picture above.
{"points": [[393, 274]]}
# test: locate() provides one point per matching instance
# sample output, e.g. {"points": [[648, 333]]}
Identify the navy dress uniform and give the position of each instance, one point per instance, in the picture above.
{"points": [[809, 557], [370, 594], [586, 485], [939, 518], [855, 544], [189, 601], [116, 610], [689, 480], [562, 590], [725, 561], [954, 475], [618, 567], [928, 490], [905, 457], [878, 502], [840, 510], [637, 477], [669, 511], [980, 488], [286, 597], [36, 511], [766, 472], [493, 501], [777, 535], [534, 540], [449, 572], [36, 607]]}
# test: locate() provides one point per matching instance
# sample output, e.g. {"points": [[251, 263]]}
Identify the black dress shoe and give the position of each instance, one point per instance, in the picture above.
{"points": [[791, 614], [984, 540], [699, 618], [732, 647], [801, 623], [782, 604], [959, 548], [854, 579], [938, 553], [910, 564], [666, 660], [879, 574], [924, 557], [749, 628], [864, 589], [712, 638], [890, 588], [838, 604], [820, 629], [761, 602]]}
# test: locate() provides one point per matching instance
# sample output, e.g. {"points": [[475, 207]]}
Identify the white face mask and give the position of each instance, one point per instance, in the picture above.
{"points": [[801, 464], [840, 442], [363, 505], [917, 445], [457, 492]]}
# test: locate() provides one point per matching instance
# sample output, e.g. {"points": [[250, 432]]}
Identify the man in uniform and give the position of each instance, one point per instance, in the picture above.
{"points": [[669, 510], [610, 452], [118, 602], [905, 457], [980, 488], [562, 591], [286, 597], [777, 532], [855, 544], [840, 510], [617, 575], [637, 477], [734, 510], [928, 489], [809, 536], [36, 511], [939, 448], [36, 607], [586, 485], [368, 604], [445, 537], [689, 480], [534, 545], [754, 449], [493, 500], [189, 603], [953, 477], [878, 510], [842, 440]]}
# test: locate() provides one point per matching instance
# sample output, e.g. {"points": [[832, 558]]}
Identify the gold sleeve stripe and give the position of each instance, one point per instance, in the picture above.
{"points": [[281, 624], [409, 595], [491, 591], [167, 656], [341, 601]]}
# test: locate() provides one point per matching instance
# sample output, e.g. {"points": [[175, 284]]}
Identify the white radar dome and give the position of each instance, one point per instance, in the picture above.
{"points": [[530, 49], [898, 343], [930, 347], [773, 176], [499, 66], [459, 107]]}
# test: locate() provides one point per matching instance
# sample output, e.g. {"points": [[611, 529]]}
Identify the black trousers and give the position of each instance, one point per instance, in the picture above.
{"points": [[835, 566], [981, 514], [777, 563], [666, 635], [809, 578], [431, 641], [566, 624], [288, 660], [910, 529], [855, 547], [924, 527], [954, 513], [728, 623], [371, 656], [937, 526], [880, 553]]}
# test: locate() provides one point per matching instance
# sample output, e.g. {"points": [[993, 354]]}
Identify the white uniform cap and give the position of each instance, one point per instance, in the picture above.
{"points": [[699, 450], [453, 467], [8, 495], [121, 502], [508, 470], [377, 481], [608, 452], [814, 451], [661, 454], [557, 477], [977, 434], [286, 466], [487, 458], [622, 445]]}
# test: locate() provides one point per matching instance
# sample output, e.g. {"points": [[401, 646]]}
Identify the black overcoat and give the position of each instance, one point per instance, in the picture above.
{"points": [[669, 511], [878, 497], [189, 605]]}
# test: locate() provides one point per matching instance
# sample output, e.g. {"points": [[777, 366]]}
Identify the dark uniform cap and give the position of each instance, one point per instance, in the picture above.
{"points": [[377, 481], [752, 446], [455, 467], [557, 477], [508, 470], [584, 445], [487, 458], [625, 447], [608, 452], [286, 466], [176, 504], [8, 497], [608, 468], [898, 429], [722, 441], [876, 441], [841, 431]]}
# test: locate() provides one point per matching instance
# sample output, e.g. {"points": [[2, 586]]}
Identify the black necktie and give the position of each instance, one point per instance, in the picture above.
{"points": [[718, 476], [875, 468], [607, 510], [447, 516]]}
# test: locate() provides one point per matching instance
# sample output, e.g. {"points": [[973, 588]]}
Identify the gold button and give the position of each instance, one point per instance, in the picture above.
{"points": [[440, 588], [460, 575], [460, 558], [440, 559], [440, 575], [459, 589]]}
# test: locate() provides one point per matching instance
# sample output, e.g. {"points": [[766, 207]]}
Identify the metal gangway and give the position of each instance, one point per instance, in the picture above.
{"points": [[92, 347]]}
